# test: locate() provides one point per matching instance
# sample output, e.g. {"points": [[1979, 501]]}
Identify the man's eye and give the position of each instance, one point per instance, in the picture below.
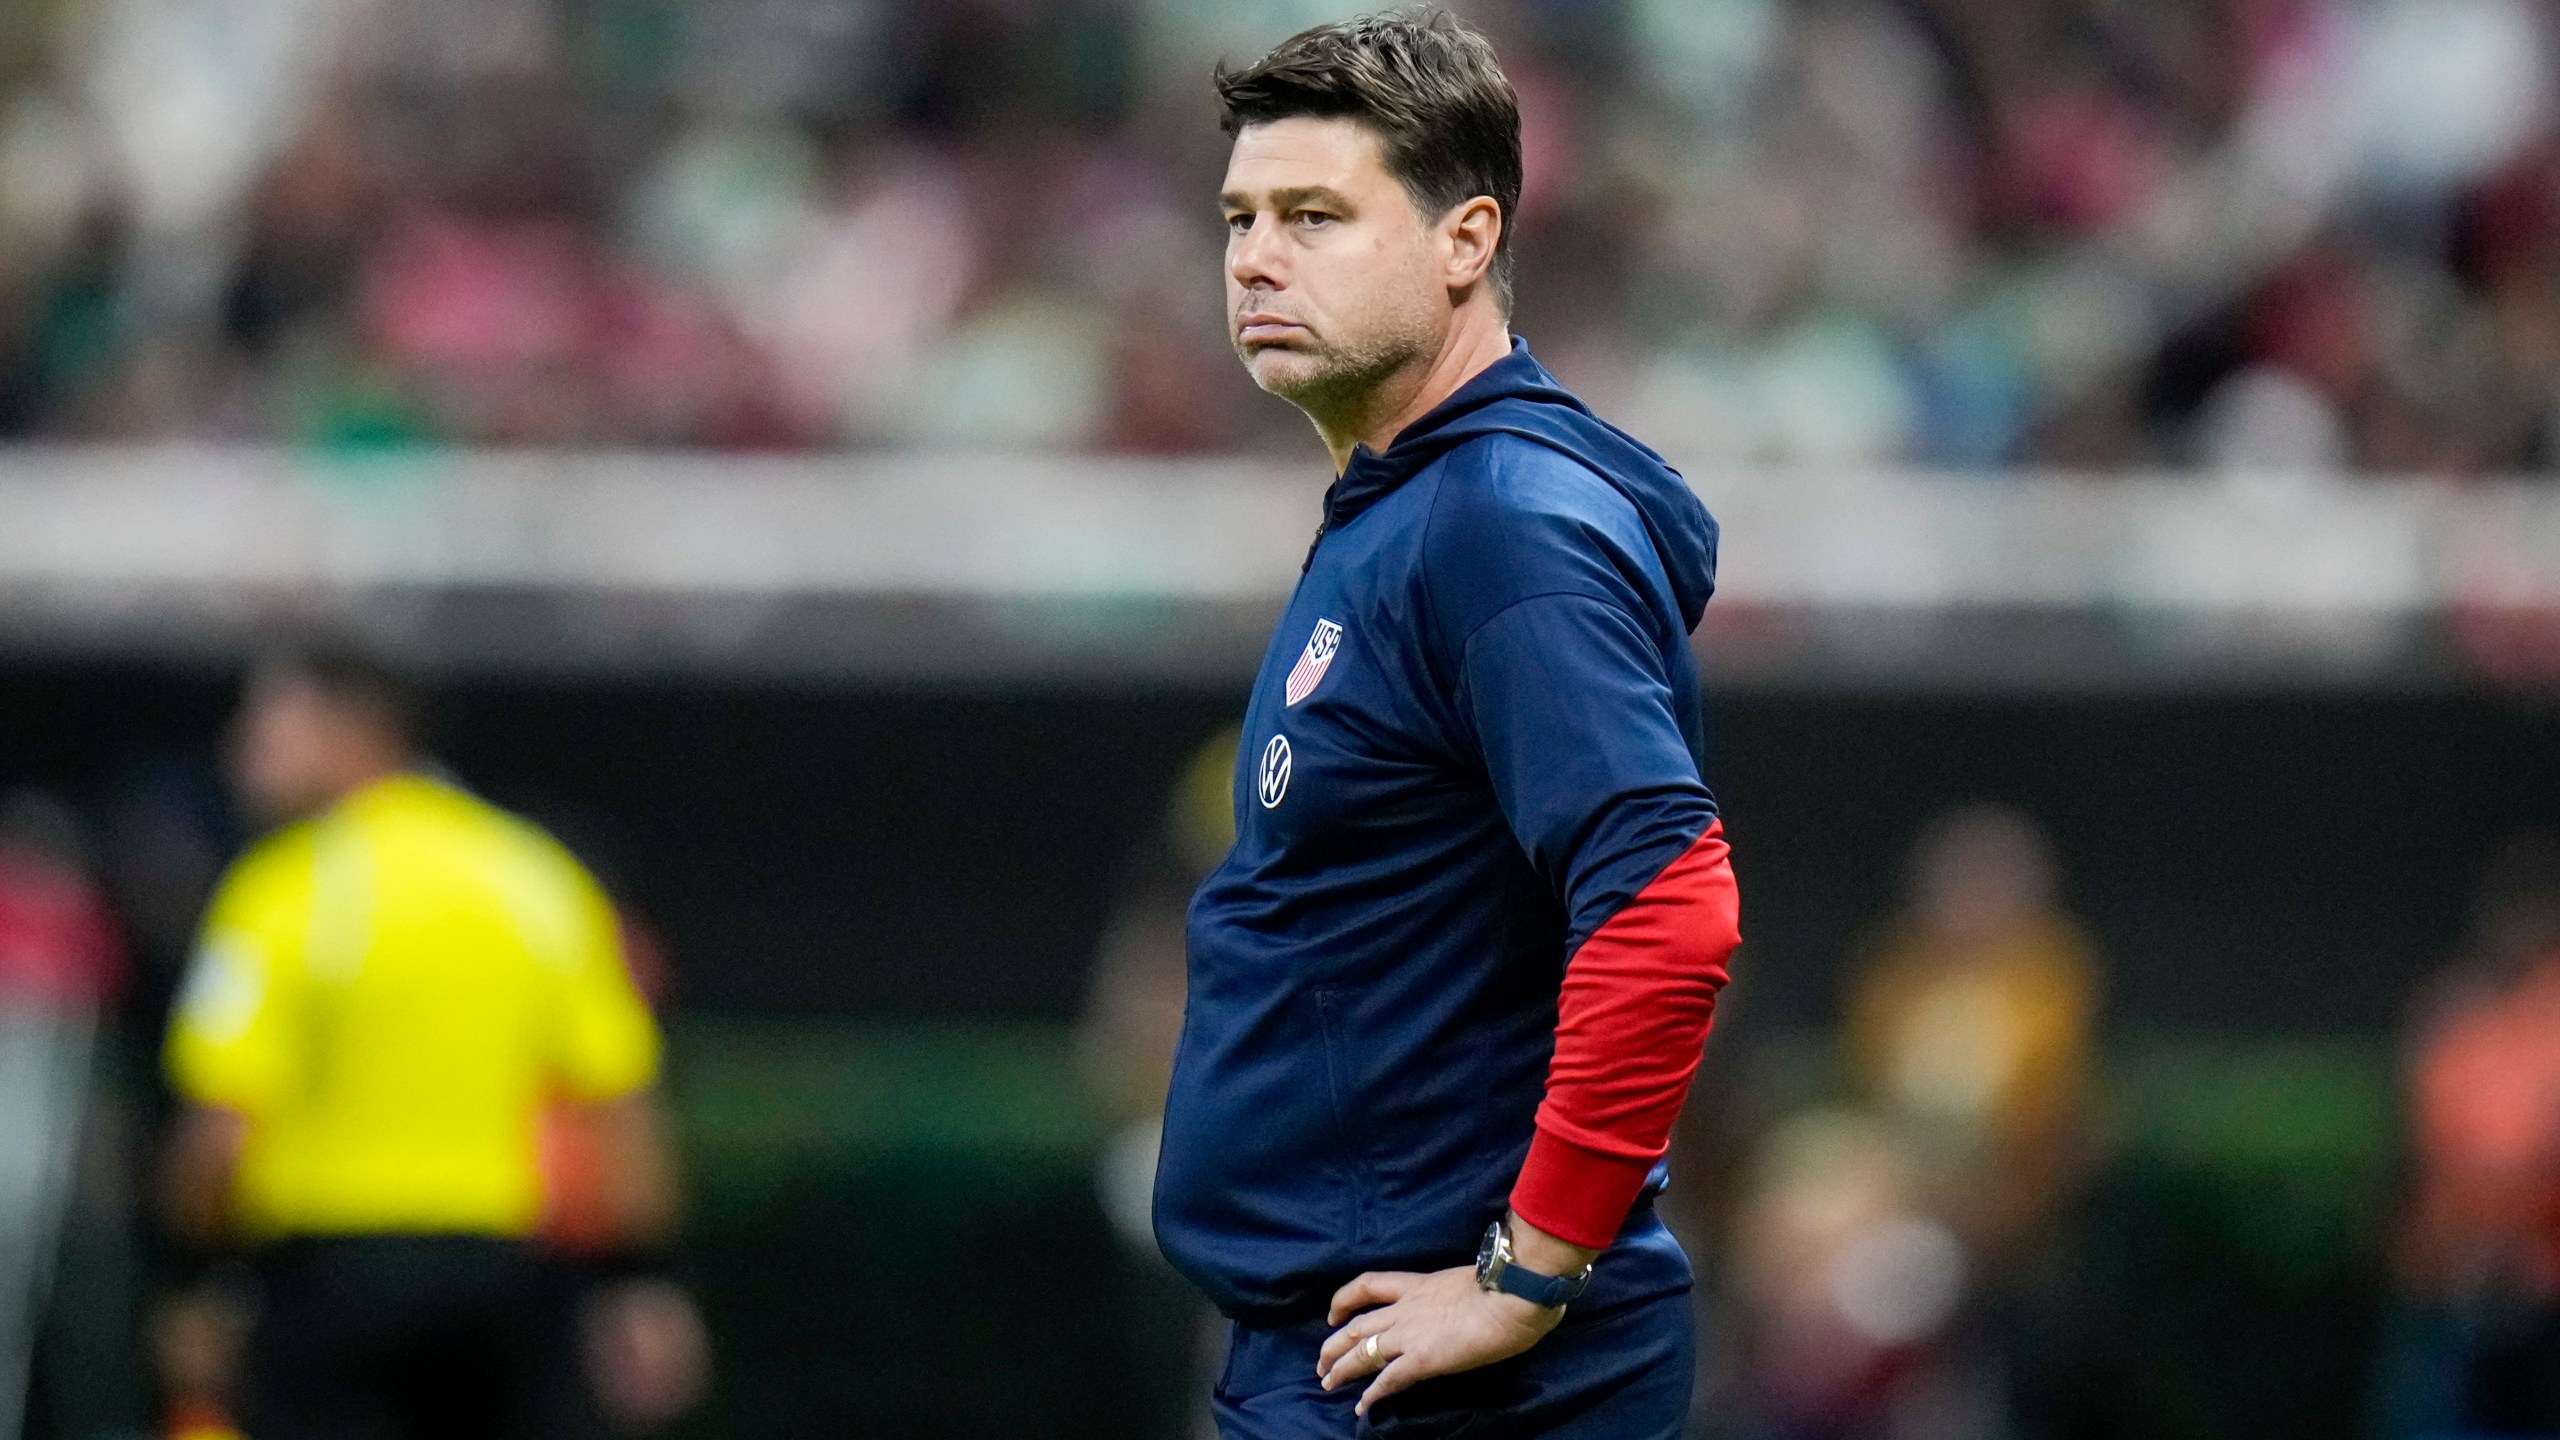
{"points": [[1311, 217], [1238, 224]]}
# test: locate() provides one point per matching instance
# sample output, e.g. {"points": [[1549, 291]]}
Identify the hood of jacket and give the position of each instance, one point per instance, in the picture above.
{"points": [[1516, 396]]}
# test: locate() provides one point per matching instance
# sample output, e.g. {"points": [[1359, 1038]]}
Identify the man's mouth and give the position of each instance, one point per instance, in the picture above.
{"points": [[1259, 328]]}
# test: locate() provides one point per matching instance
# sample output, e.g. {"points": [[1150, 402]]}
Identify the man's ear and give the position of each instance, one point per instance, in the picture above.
{"points": [[1474, 231]]}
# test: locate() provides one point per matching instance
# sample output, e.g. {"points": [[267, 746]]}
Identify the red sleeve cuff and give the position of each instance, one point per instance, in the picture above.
{"points": [[1576, 1193]]}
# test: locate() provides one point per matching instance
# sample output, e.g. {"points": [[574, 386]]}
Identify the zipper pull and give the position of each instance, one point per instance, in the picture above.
{"points": [[1309, 563], [1324, 522]]}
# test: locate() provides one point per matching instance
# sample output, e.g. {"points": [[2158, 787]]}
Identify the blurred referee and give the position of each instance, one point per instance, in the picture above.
{"points": [[389, 991]]}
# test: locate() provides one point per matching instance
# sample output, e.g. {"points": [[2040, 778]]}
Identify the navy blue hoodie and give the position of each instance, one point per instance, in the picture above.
{"points": [[1475, 736]]}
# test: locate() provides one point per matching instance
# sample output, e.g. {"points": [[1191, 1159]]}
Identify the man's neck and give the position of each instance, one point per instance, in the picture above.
{"points": [[361, 779], [1478, 337]]}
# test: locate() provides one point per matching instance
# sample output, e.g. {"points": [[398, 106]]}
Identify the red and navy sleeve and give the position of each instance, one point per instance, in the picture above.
{"points": [[1570, 676]]}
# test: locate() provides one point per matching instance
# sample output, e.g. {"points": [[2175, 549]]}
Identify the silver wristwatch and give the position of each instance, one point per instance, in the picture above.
{"points": [[1496, 1271]]}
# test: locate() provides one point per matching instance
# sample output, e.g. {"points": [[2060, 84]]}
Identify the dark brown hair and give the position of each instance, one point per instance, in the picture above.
{"points": [[1428, 84], [353, 674]]}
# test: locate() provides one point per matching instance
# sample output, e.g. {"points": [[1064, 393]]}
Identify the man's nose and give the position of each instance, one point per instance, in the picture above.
{"points": [[1253, 257]]}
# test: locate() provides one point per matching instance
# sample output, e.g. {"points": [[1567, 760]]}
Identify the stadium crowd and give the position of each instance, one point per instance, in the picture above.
{"points": [[2299, 234]]}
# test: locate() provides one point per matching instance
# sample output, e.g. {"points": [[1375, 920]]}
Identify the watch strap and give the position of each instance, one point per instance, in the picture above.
{"points": [[1544, 1291], [1496, 1270]]}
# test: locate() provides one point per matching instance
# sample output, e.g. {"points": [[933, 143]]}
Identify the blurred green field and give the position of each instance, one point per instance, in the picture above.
{"points": [[896, 1234]]}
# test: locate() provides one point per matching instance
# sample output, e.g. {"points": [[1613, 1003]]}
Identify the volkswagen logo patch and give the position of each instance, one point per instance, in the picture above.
{"points": [[1275, 771]]}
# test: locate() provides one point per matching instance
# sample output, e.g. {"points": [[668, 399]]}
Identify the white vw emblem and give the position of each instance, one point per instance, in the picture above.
{"points": [[1275, 771]]}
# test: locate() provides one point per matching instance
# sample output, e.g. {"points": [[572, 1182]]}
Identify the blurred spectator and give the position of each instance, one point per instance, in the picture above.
{"points": [[60, 963], [1972, 1026], [1889, 1253], [1847, 1288], [2300, 234], [2475, 1345], [390, 990], [1132, 1017], [1132, 1020], [59, 949]]}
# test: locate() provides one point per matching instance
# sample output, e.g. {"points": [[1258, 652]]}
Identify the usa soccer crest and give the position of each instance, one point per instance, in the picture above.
{"points": [[1313, 664]]}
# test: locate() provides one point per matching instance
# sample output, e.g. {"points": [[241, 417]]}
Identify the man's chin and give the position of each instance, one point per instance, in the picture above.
{"points": [[1284, 371]]}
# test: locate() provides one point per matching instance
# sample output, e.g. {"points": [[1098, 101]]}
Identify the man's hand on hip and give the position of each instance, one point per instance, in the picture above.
{"points": [[1404, 1327]]}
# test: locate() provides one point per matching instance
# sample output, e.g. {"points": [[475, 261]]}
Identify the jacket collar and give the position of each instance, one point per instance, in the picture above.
{"points": [[1373, 475]]}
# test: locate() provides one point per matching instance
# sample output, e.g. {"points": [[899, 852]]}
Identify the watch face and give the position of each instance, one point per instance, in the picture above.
{"points": [[1491, 1247]]}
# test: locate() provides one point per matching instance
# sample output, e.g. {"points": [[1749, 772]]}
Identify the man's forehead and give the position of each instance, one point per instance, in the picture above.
{"points": [[1305, 151]]}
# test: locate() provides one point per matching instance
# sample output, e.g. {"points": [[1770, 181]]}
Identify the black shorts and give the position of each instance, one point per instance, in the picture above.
{"points": [[405, 1337]]}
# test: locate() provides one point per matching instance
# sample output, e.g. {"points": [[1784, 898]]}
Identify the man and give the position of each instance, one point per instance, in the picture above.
{"points": [[61, 962], [1449, 989], [2472, 1343], [389, 991]]}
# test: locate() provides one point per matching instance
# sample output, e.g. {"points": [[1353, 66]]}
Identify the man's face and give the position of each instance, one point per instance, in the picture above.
{"points": [[295, 749], [1334, 279]]}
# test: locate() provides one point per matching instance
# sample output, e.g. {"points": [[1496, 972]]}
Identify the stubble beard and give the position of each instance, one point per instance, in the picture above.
{"points": [[1338, 384]]}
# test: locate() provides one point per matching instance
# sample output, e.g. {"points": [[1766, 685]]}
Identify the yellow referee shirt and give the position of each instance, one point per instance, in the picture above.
{"points": [[389, 994]]}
